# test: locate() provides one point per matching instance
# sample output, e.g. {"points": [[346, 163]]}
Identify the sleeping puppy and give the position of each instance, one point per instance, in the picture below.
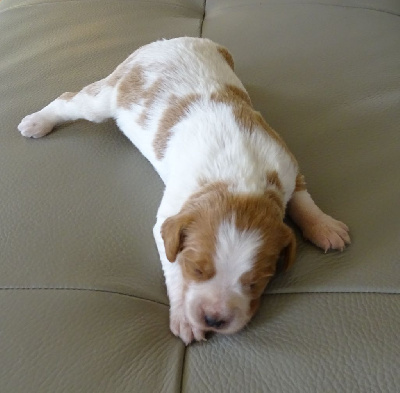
{"points": [[228, 176]]}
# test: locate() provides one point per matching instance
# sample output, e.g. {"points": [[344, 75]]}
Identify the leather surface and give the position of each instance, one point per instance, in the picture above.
{"points": [[85, 341], [83, 306], [304, 343]]}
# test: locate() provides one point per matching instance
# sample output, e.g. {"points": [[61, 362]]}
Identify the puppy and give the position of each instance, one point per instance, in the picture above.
{"points": [[228, 178]]}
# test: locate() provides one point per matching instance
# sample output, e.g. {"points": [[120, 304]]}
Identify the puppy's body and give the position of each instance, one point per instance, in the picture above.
{"points": [[228, 177]]}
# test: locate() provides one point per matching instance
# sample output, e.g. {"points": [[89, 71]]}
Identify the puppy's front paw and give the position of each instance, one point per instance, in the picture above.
{"points": [[181, 328], [35, 126], [328, 233]]}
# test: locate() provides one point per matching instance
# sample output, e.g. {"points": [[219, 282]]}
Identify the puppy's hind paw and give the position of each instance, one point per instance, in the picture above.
{"points": [[35, 126]]}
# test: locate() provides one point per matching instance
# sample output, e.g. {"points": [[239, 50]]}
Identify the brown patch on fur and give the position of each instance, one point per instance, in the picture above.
{"points": [[206, 188], [120, 71], [193, 239], [300, 183], [68, 96], [227, 56], [131, 87], [255, 281], [276, 198], [150, 96], [273, 178], [239, 94], [132, 90], [236, 97], [177, 109], [172, 232], [254, 305], [240, 103], [245, 115], [94, 88], [277, 238], [116, 76], [259, 120], [264, 213], [197, 257], [192, 232], [158, 89]]}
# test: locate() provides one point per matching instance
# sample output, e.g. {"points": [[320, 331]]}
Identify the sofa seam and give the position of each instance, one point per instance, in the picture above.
{"points": [[88, 1], [331, 293], [203, 18], [165, 304], [311, 4], [82, 290], [183, 368]]}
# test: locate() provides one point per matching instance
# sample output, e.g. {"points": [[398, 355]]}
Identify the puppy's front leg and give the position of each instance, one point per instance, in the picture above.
{"points": [[321, 229], [179, 324]]}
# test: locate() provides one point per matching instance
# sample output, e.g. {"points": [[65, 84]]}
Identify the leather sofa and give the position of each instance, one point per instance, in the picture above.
{"points": [[82, 299]]}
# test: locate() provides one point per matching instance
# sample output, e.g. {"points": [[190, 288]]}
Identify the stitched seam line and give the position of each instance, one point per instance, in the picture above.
{"points": [[202, 20], [331, 293], [93, 1], [310, 3], [82, 290], [183, 368], [164, 304]]}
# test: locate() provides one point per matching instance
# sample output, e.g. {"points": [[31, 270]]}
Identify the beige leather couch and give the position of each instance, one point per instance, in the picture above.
{"points": [[82, 300]]}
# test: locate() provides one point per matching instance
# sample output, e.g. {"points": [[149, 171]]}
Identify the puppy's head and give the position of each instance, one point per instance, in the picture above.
{"points": [[228, 247]]}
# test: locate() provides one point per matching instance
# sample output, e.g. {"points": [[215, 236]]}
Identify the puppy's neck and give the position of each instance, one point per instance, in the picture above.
{"points": [[270, 195]]}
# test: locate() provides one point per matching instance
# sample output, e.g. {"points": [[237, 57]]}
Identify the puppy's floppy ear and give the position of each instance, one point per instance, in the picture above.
{"points": [[289, 250], [173, 234]]}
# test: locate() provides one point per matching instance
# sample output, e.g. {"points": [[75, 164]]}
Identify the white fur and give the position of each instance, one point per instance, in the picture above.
{"points": [[207, 144]]}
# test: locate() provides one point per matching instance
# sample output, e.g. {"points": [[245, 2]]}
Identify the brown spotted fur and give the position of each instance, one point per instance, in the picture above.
{"points": [[192, 233], [177, 109], [227, 56]]}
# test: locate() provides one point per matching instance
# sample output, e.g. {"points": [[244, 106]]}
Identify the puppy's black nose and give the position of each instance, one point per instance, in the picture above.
{"points": [[213, 322]]}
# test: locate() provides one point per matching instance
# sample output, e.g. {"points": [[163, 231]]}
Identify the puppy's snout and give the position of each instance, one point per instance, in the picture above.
{"points": [[214, 322]]}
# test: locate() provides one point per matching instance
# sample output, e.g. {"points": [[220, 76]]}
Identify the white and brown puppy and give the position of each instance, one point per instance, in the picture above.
{"points": [[228, 178]]}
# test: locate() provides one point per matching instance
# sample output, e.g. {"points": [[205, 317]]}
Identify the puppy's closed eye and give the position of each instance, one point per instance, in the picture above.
{"points": [[254, 286], [196, 269]]}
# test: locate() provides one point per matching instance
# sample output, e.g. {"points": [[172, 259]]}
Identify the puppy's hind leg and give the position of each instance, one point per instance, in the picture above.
{"points": [[321, 229], [92, 103]]}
